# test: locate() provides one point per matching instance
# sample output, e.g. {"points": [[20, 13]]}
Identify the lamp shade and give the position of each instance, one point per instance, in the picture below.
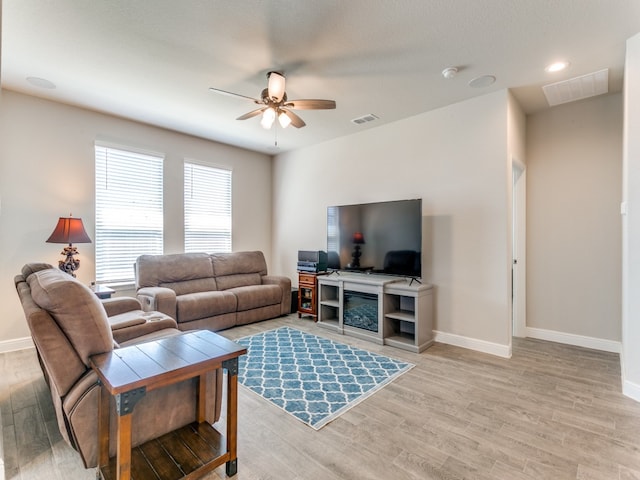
{"points": [[284, 119], [275, 86], [268, 117], [69, 230], [358, 238]]}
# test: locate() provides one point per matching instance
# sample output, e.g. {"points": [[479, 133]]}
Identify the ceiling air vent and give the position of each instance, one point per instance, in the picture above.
{"points": [[577, 88], [364, 119]]}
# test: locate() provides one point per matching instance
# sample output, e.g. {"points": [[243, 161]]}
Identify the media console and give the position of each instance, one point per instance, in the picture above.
{"points": [[386, 310]]}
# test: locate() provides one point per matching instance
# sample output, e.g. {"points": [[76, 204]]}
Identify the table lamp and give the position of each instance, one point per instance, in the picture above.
{"points": [[69, 230]]}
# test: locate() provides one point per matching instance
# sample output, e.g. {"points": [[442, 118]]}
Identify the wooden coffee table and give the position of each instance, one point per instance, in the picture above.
{"points": [[128, 373]]}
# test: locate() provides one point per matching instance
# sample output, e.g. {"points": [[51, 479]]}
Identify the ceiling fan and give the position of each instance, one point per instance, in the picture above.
{"points": [[275, 104]]}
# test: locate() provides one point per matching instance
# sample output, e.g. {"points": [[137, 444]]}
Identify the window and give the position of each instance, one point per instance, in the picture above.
{"points": [[207, 209], [129, 211]]}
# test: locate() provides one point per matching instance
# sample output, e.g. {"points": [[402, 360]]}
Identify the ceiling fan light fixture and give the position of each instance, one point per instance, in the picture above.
{"points": [[268, 117], [284, 119], [276, 86], [274, 104]]}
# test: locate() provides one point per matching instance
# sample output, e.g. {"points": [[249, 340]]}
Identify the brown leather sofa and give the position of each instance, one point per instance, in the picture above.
{"points": [[68, 325], [212, 291]]}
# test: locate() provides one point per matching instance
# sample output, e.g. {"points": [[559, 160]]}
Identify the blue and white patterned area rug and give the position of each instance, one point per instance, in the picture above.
{"points": [[313, 378]]}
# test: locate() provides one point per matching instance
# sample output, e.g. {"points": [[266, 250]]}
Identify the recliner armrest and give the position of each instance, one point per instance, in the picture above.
{"points": [[160, 299], [118, 305]]}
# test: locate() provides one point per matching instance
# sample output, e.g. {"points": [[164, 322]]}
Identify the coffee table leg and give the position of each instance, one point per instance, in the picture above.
{"points": [[232, 467], [103, 429], [124, 407], [124, 447], [202, 398], [232, 414]]}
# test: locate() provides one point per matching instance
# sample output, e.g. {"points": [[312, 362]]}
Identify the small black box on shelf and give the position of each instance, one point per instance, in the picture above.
{"points": [[312, 261]]}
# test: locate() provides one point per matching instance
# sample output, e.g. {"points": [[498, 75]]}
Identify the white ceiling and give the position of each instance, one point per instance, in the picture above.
{"points": [[154, 60]]}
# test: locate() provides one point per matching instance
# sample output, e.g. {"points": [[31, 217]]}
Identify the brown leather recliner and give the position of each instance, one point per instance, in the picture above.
{"points": [[68, 325]]}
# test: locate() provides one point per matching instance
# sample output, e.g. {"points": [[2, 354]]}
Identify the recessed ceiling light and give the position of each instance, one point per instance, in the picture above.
{"points": [[41, 82], [482, 81], [556, 67]]}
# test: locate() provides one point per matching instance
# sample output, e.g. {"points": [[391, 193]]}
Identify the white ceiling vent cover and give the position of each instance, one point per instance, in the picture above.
{"points": [[364, 119], [577, 88]]}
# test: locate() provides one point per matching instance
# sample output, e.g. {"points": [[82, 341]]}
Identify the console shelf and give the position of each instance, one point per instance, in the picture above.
{"points": [[404, 316], [399, 312], [329, 305]]}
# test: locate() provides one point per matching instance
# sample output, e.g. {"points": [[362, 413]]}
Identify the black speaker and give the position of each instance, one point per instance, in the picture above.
{"points": [[312, 261], [317, 256]]}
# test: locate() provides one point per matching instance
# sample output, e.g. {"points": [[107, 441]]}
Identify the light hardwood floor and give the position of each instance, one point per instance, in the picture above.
{"points": [[550, 412]]}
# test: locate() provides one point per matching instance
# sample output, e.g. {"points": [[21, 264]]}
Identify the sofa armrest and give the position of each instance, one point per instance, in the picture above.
{"points": [[285, 284], [160, 299], [118, 305]]}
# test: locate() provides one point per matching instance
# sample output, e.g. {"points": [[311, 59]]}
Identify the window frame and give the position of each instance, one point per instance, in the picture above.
{"points": [[145, 208], [221, 185]]}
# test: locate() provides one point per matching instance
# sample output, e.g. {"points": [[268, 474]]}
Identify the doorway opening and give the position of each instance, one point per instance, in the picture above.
{"points": [[518, 248]]}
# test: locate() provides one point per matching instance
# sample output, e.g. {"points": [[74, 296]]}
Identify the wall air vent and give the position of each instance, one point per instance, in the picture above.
{"points": [[364, 119], [577, 88]]}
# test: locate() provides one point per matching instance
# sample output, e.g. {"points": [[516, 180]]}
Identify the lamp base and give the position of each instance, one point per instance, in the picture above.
{"points": [[69, 264], [355, 257]]}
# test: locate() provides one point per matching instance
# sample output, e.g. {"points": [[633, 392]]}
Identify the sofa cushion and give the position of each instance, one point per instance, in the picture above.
{"points": [[75, 308], [190, 286], [154, 270], [238, 262], [194, 306], [256, 296], [240, 280]]}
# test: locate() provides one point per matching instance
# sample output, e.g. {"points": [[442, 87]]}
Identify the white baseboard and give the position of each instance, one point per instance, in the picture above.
{"points": [[572, 339], [631, 390], [473, 344], [16, 344]]}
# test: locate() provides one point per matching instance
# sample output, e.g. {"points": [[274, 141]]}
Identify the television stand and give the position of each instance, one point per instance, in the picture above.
{"points": [[382, 309]]}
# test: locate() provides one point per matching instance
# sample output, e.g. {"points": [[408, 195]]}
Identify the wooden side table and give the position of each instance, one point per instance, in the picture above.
{"points": [[128, 373], [102, 291], [308, 294]]}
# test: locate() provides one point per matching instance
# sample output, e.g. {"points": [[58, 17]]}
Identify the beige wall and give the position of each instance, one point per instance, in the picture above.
{"points": [[631, 224], [574, 164], [456, 160], [47, 171]]}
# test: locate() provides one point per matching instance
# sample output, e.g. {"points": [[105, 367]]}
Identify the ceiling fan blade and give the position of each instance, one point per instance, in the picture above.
{"points": [[276, 86], [252, 113], [231, 94], [311, 104], [296, 121]]}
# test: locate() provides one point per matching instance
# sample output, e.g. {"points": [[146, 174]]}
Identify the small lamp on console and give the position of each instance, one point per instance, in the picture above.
{"points": [[69, 230], [358, 239]]}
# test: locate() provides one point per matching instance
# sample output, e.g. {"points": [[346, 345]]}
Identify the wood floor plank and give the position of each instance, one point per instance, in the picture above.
{"points": [[552, 411]]}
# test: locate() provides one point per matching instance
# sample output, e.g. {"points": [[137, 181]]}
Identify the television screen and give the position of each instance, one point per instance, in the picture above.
{"points": [[383, 237]]}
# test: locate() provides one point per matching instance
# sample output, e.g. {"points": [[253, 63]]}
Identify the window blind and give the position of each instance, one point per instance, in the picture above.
{"points": [[207, 208], [129, 211]]}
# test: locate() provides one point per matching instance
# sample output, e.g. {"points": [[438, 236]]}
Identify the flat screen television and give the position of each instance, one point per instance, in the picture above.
{"points": [[382, 237]]}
